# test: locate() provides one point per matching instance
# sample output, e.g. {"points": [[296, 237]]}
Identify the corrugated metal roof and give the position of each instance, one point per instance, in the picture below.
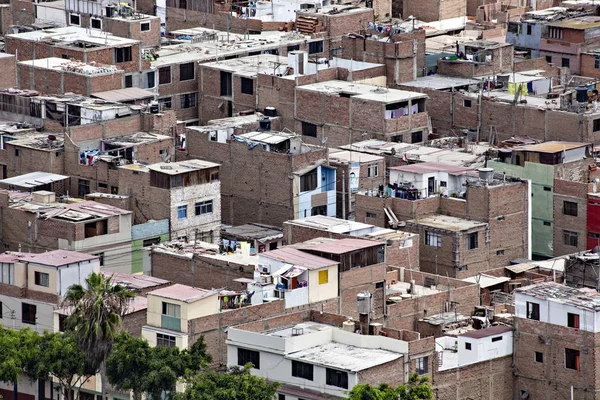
{"points": [[343, 245], [55, 258], [266, 137], [33, 179], [426, 167], [186, 294], [485, 281], [298, 257], [551, 147], [519, 268], [121, 95]]}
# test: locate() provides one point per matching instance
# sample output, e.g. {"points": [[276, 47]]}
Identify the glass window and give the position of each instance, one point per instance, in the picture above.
{"points": [[308, 181], [570, 238], [422, 365], [166, 103], [226, 83], [188, 100], [309, 129], [373, 171], [433, 239], [74, 19], [566, 63], [145, 26], [467, 346], [315, 47], [472, 241], [172, 310], [163, 340], [123, 54], [42, 279], [204, 207], [246, 356], [597, 62], [570, 208], [533, 311], [572, 359], [496, 339], [333, 377], [181, 212], [186, 71], [164, 75], [96, 23], [302, 370], [28, 313]]}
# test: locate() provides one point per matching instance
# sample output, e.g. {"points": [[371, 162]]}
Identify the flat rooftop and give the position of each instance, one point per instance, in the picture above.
{"points": [[362, 91], [448, 223], [345, 156], [578, 23], [551, 147], [331, 224], [271, 137], [258, 232], [585, 298], [183, 293], [429, 167], [251, 66], [122, 95], [73, 67], [175, 168], [440, 82], [55, 258], [491, 331], [136, 139], [339, 246], [65, 36]]}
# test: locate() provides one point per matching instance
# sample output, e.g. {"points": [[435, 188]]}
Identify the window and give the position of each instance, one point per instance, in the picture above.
{"points": [[247, 86], [467, 346], [555, 33], [309, 129], [379, 285], [42, 279], [319, 210], [246, 356], [308, 181], [533, 311], [416, 137], [594, 235], [144, 26], [16, 152], [128, 81], [596, 126], [373, 171], [496, 339], [163, 340], [422, 365], [7, 273], [74, 19], [280, 396], [101, 258], [565, 63], [302, 370], [397, 139], [573, 320], [433, 239], [164, 75], [28, 313], [371, 215], [538, 356], [597, 62], [547, 189], [472, 240], [186, 72], [102, 185], [225, 83], [123, 54], [172, 310], [176, 181], [151, 242], [204, 207], [333, 377], [547, 223], [182, 3], [467, 103], [96, 23], [84, 187], [528, 29], [570, 238], [293, 48], [323, 277], [315, 47], [166, 103], [572, 359], [188, 100], [499, 252], [549, 59], [569, 208], [149, 82], [181, 212], [443, 184]]}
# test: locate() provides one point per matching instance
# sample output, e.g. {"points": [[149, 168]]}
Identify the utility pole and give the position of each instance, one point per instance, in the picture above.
{"points": [[344, 195]]}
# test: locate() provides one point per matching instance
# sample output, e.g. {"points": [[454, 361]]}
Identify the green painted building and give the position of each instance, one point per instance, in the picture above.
{"points": [[145, 235]]}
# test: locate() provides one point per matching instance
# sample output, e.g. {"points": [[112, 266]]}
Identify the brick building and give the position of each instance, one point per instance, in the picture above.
{"points": [[254, 172], [9, 67], [481, 57], [555, 346], [37, 223], [188, 193], [431, 10], [341, 112], [489, 206], [403, 55], [80, 44], [59, 76]]}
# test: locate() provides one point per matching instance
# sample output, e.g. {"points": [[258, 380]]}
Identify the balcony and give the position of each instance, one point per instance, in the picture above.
{"points": [[171, 323]]}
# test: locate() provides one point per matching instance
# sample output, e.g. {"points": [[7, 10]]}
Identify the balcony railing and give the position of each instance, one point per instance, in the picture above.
{"points": [[171, 323]]}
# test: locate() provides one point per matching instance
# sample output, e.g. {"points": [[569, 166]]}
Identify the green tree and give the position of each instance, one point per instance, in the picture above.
{"points": [[134, 365], [96, 317], [16, 348], [234, 384], [417, 388], [60, 356]]}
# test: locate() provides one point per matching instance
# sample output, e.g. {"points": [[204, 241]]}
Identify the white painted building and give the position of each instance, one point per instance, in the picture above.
{"points": [[474, 347], [40, 280], [432, 178], [293, 275], [561, 305], [314, 356]]}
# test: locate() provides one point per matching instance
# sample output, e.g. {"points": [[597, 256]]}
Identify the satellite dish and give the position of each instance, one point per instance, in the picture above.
{"points": [[324, 140]]}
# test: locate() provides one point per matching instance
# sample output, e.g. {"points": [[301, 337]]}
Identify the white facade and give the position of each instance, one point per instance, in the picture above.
{"points": [[323, 346], [444, 182], [12, 314], [190, 196], [323, 195], [554, 311], [455, 352]]}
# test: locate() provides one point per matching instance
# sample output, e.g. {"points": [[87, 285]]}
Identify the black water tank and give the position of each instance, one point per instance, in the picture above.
{"points": [[110, 11], [270, 112], [265, 124], [582, 94]]}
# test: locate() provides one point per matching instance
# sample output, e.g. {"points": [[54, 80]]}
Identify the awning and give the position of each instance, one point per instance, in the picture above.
{"points": [[294, 272], [282, 270]]}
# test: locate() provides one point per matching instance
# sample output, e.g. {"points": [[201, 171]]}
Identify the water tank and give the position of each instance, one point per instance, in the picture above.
{"points": [[363, 302], [110, 11], [154, 107], [348, 326], [486, 174], [582, 94], [270, 111], [265, 124]]}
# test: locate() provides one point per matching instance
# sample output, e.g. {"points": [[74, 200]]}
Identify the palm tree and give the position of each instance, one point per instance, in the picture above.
{"points": [[96, 317]]}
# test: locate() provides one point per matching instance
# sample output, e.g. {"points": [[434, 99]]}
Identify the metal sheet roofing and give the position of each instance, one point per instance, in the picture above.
{"points": [[33, 179], [342, 246], [267, 137], [186, 294], [121, 95], [551, 147], [486, 281], [55, 258], [428, 167], [298, 257]]}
